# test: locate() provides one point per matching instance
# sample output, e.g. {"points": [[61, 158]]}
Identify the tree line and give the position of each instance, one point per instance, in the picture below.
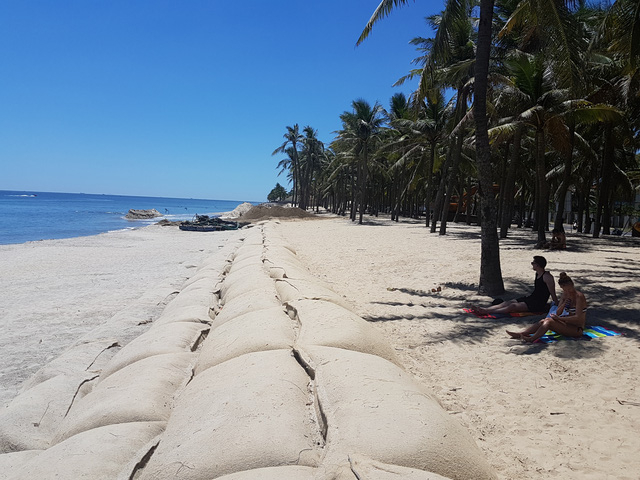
{"points": [[517, 104]]}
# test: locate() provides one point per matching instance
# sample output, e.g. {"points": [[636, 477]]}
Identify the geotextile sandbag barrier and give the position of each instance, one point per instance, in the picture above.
{"points": [[291, 472], [159, 339], [191, 298], [97, 454], [193, 313], [248, 251], [257, 331], [290, 290], [327, 324], [286, 269], [248, 412], [141, 392], [31, 420], [365, 397], [246, 280], [9, 462], [79, 357], [246, 303], [363, 467]]}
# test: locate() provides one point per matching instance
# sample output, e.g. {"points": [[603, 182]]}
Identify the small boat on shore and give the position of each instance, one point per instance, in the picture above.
{"points": [[204, 223]]}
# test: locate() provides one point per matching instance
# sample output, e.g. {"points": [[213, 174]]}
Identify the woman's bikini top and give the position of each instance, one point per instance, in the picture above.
{"points": [[571, 309]]}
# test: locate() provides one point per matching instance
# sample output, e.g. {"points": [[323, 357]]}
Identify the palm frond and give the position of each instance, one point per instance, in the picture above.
{"points": [[383, 10]]}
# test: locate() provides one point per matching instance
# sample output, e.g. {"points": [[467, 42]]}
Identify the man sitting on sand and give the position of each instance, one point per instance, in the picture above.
{"points": [[543, 287]]}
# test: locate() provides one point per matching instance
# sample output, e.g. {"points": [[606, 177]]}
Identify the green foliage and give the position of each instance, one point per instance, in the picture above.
{"points": [[563, 113], [278, 194]]}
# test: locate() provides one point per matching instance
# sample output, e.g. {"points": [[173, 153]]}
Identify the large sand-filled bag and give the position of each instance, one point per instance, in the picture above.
{"points": [[244, 263], [291, 472], [98, 454], [280, 254], [290, 290], [202, 283], [83, 356], [254, 236], [32, 419], [269, 329], [365, 397], [191, 298], [248, 302], [363, 467], [287, 269], [206, 275], [328, 324], [169, 338], [248, 251], [195, 313], [355, 467], [142, 392], [10, 462], [246, 280], [275, 241], [249, 412]]}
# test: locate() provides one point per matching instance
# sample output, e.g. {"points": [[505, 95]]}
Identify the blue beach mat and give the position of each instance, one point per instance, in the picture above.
{"points": [[587, 334]]}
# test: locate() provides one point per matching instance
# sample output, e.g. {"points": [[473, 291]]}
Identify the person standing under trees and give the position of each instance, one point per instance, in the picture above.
{"points": [[537, 301]]}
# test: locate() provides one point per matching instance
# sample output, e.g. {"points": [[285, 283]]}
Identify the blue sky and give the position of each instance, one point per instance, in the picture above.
{"points": [[183, 98]]}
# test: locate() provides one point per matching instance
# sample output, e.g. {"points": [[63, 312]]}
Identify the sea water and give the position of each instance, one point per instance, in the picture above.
{"points": [[29, 216]]}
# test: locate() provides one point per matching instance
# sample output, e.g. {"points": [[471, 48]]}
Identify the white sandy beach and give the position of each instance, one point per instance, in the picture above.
{"points": [[567, 410], [52, 292]]}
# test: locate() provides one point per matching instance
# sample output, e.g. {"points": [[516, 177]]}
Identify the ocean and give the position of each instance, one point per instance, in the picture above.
{"points": [[29, 216]]}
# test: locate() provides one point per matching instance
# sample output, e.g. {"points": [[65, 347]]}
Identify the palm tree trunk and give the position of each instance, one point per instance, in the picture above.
{"points": [[468, 201], [429, 179], [490, 272], [509, 184], [451, 179], [460, 198], [437, 207], [566, 179], [503, 181], [605, 175], [541, 191], [363, 183], [352, 211]]}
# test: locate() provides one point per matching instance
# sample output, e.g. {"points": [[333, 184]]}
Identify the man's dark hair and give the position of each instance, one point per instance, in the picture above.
{"points": [[540, 261]]}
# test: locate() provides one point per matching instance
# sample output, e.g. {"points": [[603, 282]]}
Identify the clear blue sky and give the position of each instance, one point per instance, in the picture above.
{"points": [[183, 98]]}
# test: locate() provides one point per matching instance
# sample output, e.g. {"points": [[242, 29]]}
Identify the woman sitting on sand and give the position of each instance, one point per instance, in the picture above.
{"points": [[570, 322]]}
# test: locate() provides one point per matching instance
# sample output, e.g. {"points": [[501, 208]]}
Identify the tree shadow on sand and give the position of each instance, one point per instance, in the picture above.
{"points": [[467, 328]]}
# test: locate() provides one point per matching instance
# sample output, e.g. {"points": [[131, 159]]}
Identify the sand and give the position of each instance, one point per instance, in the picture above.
{"points": [[568, 410], [52, 292]]}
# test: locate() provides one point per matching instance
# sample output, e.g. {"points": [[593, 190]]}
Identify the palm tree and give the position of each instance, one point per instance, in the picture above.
{"points": [[310, 155], [292, 137], [358, 139], [490, 273], [421, 136]]}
